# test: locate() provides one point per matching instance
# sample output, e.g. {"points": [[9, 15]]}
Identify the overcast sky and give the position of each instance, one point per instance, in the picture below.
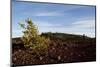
{"points": [[74, 19]]}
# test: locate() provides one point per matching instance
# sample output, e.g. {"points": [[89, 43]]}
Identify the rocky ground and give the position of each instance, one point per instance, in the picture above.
{"points": [[58, 52]]}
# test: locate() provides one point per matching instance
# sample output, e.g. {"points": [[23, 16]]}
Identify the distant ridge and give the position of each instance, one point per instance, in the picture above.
{"points": [[57, 36]]}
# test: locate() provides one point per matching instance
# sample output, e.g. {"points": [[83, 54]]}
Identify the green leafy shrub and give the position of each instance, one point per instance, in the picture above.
{"points": [[33, 40]]}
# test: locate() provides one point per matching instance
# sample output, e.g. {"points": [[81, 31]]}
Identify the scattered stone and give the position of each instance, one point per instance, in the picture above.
{"points": [[41, 58], [59, 58]]}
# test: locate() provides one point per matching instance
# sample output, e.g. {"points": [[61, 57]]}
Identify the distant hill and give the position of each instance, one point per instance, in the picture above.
{"points": [[64, 36], [16, 40], [54, 36]]}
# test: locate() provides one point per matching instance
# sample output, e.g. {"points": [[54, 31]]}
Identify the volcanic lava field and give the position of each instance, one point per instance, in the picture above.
{"points": [[63, 48]]}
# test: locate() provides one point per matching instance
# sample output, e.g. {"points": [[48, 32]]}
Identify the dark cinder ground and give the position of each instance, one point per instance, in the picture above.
{"points": [[59, 51]]}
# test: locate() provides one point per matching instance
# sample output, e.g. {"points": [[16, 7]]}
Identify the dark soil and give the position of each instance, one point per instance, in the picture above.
{"points": [[59, 51]]}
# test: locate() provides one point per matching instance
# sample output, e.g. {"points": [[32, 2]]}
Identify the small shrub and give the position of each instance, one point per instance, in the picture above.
{"points": [[33, 40]]}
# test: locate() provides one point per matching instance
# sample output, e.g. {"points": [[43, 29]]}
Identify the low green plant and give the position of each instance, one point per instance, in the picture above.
{"points": [[33, 40]]}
